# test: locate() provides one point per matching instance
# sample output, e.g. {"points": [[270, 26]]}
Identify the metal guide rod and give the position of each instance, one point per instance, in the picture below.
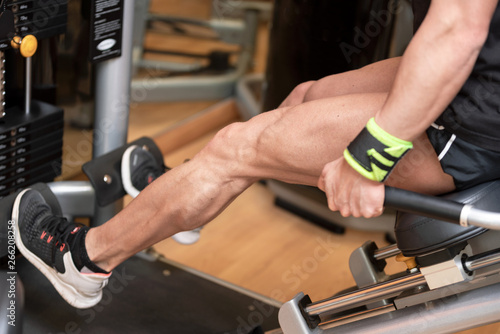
{"points": [[482, 260], [357, 316], [386, 252], [27, 88], [292, 316], [449, 315], [392, 287], [365, 295]]}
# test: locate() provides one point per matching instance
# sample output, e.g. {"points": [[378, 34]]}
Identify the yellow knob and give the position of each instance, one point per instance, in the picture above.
{"points": [[16, 42], [409, 261], [29, 45]]}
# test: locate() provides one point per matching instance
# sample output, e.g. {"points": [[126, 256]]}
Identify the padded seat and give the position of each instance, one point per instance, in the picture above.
{"points": [[417, 235]]}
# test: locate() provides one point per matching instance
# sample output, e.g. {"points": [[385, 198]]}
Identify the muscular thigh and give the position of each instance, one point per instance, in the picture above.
{"points": [[374, 78], [294, 144]]}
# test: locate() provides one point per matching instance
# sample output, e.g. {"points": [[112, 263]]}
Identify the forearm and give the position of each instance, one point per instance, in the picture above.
{"points": [[435, 66]]}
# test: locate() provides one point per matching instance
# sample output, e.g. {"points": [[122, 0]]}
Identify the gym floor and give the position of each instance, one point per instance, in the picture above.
{"points": [[253, 244]]}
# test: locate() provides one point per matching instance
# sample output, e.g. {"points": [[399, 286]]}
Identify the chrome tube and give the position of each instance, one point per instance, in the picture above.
{"points": [[361, 297], [448, 315], [482, 218], [357, 316], [28, 84], [386, 252], [482, 260]]}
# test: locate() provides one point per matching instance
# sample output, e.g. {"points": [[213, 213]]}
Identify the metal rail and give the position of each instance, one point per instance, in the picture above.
{"points": [[366, 295], [482, 260], [386, 252]]}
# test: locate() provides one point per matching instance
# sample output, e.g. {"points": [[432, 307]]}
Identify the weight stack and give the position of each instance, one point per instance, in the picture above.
{"points": [[30, 146]]}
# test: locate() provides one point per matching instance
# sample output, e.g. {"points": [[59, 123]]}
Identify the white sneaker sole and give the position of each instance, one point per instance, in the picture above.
{"points": [[126, 173], [187, 237], [74, 297]]}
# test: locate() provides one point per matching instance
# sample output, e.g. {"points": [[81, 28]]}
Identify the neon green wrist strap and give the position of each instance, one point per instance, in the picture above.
{"points": [[374, 153]]}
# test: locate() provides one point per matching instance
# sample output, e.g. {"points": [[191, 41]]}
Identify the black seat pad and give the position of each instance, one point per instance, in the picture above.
{"points": [[417, 235]]}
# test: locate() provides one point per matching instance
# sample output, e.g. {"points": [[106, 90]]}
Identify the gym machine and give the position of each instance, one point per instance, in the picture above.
{"points": [[147, 293], [232, 22], [452, 282]]}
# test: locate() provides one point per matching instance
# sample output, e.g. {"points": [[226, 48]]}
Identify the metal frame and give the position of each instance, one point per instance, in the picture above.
{"points": [[412, 308], [474, 305], [197, 87], [112, 100], [77, 198]]}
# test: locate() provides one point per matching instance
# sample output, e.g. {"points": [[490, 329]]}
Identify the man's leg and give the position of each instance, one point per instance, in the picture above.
{"points": [[373, 78], [376, 77], [139, 168], [288, 144], [291, 144]]}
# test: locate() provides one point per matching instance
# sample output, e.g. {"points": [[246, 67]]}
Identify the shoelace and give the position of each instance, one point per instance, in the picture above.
{"points": [[57, 229]]}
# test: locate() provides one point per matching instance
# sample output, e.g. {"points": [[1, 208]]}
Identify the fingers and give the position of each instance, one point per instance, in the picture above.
{"points": [[350, 193]]}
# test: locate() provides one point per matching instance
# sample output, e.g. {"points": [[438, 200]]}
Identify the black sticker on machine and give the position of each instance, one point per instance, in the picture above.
{"points": [[106, 25]]}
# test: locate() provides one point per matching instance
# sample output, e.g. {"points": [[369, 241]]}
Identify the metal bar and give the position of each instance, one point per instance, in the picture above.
{"points": [[357, 316], [170, 66], [385, 289], [361, 297], [112, 101], [77, 198], [28, 83], [486, 219], [177, 19], [483, 260], [386, 252], [202, 87], [440, 208], [448, 315], [430, 206]]}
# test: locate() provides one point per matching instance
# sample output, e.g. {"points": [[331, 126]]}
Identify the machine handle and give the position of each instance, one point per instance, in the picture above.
{"points": [[430, 206], [440, 208]]}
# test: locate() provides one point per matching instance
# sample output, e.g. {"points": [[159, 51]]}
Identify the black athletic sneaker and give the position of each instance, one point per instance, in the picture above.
{"points": [[45, 239], [139, 169]]}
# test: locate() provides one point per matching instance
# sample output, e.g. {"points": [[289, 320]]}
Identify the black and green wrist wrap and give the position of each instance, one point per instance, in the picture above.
{"points": [[374, 152]]}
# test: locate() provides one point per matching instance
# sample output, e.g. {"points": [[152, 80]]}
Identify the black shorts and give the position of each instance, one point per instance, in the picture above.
{"points": [[468, 164]]}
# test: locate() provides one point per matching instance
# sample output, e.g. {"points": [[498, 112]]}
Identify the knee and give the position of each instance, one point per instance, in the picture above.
{"points": [[303, 88], [234, 144], [317, 91], [298, 94]]}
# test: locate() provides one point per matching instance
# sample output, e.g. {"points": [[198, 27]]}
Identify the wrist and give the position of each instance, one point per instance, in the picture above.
{"points": [[374, 152]]}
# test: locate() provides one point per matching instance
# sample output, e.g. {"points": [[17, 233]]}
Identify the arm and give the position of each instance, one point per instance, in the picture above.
{"points": [[434, 67]]}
